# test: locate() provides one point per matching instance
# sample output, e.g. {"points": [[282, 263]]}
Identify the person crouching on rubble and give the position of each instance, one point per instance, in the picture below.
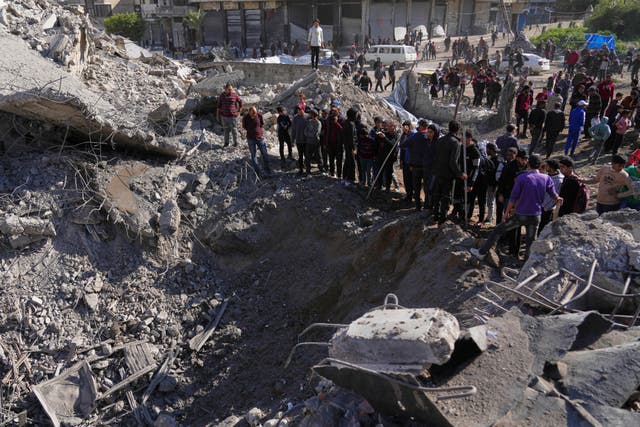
{"points": [[253, 123], [525, 206]]}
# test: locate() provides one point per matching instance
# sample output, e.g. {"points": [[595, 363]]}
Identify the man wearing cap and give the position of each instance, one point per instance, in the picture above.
{"points": [[316, 41], [229, 106], [525, 206], [576, 122]]}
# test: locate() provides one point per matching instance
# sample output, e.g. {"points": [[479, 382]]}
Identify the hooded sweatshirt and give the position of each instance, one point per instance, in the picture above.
{"points": [[601, 131]]}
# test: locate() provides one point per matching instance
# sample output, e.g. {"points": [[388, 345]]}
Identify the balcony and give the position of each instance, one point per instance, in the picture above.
{"points": [[151, 11]]}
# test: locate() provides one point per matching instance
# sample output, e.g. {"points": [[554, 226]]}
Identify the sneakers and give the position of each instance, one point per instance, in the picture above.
{"points": [[476, 253]]}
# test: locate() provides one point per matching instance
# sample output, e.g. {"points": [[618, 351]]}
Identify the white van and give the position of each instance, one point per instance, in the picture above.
{"points": [[391, 52]]}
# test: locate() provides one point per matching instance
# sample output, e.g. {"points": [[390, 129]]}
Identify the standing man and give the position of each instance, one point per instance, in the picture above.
{"points": [[576, 122], [229, 106], [446, 169], [252, 122], [312, 131], [506, 141], [284, 135], [417, 150], [407, 177], [316, 41], [553, 125], [537, 118], [297, 132], [525, 206], [392, 76]]}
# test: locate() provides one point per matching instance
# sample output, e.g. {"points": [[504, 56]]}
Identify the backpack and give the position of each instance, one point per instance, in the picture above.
{"points": [[581, 203]]}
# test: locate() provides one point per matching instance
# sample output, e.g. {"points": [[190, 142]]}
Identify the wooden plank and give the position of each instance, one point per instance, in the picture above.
{"points": [[197, 342], [122, 384]]}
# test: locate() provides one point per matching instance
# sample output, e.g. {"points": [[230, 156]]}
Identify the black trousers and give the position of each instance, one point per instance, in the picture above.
{"points": [[312, 152], [545, 219], [392, 82], [552, 137], [442, 197], [417, 175], [335, 162], [302, 153], [284, 138], [407, 178], [349, 168], [479, 192], [315, 56]]}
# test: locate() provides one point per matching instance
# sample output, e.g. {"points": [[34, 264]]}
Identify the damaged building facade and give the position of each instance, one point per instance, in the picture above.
{"points": [[247, 23]]}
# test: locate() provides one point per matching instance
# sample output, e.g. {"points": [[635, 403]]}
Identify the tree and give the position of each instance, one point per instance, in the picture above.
{"points": [[129, 25], [620, 17], [194, 21]]}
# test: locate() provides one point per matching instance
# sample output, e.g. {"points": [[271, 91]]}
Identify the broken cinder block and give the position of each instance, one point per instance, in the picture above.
{"points": [[397, 340]]}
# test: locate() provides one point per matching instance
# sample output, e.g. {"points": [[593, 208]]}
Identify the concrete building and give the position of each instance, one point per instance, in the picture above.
{"points": [[101, 9], [248, 23], [165, 26]]}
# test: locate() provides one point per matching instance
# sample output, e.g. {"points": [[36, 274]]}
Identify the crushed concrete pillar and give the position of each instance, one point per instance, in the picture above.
{"points": [[24, 231], [397, 340]]}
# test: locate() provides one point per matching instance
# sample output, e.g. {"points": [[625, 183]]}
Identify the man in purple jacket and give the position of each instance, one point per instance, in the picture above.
{"points": [[252, 122], [526, 200]]}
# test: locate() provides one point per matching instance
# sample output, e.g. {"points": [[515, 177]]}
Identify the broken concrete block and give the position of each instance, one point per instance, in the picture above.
{"points": [[91, 300], [12, 225], [605, 376], [403, 339], [170, 218], [166, 112], [254, 416], [50, 21]]}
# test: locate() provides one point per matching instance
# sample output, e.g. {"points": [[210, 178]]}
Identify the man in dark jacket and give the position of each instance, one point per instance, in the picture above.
{"points": [[505, 184], [506, 141], [407, 177], [433, 133], [386, 154], [348, 141], [392, 76], [253, 123], [445, 170], [284, 136], [553, 125], [592, 111], [417, 146], [297, 132], [570, 186], [537, 117]]}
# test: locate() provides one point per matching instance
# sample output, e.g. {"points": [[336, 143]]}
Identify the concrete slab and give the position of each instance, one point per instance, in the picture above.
{"points": [[404, 339]]}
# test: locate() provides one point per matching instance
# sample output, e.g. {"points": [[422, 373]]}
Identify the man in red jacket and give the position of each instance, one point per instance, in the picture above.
{"points": [[572, 59], [606, 89], [252, 122], [523, 103]]}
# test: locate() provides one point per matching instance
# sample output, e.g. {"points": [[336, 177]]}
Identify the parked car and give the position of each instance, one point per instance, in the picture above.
{"points": [[536, 64], [390, 52]]}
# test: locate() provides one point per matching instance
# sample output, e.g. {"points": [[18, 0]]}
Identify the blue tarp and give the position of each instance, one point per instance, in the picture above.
{"points": [[595, 41]]}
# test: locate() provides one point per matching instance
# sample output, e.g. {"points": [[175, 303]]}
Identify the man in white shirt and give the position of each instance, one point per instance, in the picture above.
{"points": [[316, 41]]}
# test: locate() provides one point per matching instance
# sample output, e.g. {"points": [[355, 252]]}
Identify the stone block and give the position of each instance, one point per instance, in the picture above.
{"points": [[397, 340]]}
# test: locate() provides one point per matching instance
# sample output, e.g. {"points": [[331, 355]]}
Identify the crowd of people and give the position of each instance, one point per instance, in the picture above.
{"points": [[450, 174]]}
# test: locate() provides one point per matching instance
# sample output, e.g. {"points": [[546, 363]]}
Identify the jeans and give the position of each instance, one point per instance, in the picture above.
{"points": [[253, 148], [572, 141], [366, 170], [230, 126], [515, 221], [315, 56]]}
